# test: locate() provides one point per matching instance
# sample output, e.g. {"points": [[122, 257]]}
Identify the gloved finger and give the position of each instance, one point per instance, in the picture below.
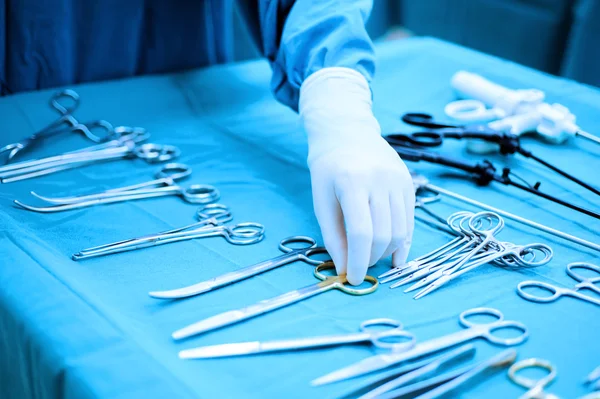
{"points": [[329, 216], [398, 220], [359, 232], [379, 205], [399, 212], [409, 205]]}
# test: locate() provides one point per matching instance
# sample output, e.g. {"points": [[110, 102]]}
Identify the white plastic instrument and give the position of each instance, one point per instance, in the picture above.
{"points": [[512, 111]]}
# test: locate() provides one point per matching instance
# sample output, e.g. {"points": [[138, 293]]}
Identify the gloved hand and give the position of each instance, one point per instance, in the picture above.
{"points": [[362, 191]]}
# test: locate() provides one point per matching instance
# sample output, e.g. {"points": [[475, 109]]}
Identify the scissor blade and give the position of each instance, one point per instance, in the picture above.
{"points": [[212, 323], [225, 279], [429, 367], [225, 350], [425, 384], [186, 292], [234, 316], [503, 359], [594, 375], [369, 365]]}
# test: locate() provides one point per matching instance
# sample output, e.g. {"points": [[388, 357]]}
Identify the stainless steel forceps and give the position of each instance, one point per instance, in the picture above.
{"points": [[65, 123], [208, 226], [163, 185], [290, 254], [125, 147], [475, 246]]}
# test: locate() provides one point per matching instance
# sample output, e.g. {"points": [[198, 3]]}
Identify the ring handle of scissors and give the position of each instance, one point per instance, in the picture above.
{"points": [[520, 252], [379, 337], [583, 266], [242, 241], [101, 124], [174, 171], [465, 322], [532, 363], [65, 94], [428, 139], [245, 230], [309, 241], [219, 212], [494, 225], [424, 120], [555, 292], [201, 194], [506, 325], [472, 110], [339, 282], [155, 153], [128, 133], [304, 253], [420, 139], [455, 220]]}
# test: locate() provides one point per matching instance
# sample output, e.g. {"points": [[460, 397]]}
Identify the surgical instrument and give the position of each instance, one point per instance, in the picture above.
{"points": [[421, 183], [327, 283], [211, 214], [65, 123], [554, 122], [476, 247], [290, 254], [594, 379], [164, 185], [430, 367], [436, 133], [484, 173], [472, 330], [557, 292], [240, 234], [448, 272], [535, 388], [391, 338], [126, 147], [424, 385], [503, 359]]}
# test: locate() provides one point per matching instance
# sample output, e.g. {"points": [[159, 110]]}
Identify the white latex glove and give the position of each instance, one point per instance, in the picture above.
{"points": [[362, 191]]}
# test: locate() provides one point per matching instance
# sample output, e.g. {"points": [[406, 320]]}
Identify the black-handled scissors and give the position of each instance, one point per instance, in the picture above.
{"points": [[484, 173], [436, 133]]}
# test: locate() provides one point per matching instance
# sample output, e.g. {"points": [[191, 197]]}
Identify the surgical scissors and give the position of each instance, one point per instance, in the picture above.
{"points": [[327, 283], [289, 255], [370, 331], [472, 331], [66, 122], [535, 387], [240, 234], [557, 292], [125, 147], [436, 133], [162, 186]]}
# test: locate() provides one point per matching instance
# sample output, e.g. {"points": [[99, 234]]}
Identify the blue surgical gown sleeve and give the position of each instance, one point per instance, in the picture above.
{"points": [[299, 37]]}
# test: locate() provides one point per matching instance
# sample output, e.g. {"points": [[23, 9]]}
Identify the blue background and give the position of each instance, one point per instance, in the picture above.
{"points": [[88, 329]]}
